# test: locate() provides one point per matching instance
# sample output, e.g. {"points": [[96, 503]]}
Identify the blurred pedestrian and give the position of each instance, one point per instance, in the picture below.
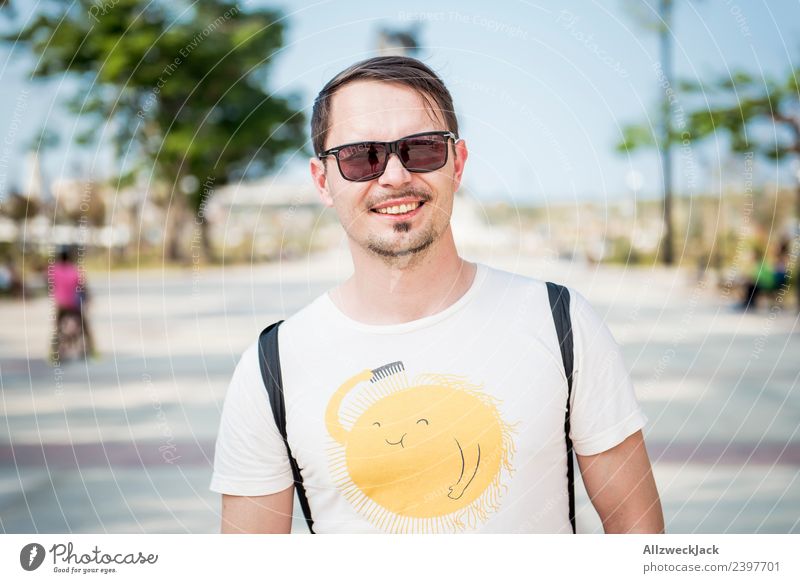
{"points": [[761, 280], [71, 298], [781, 265], [10, 280]]}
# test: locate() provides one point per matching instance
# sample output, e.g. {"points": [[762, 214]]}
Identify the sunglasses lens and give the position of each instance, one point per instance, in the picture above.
{"points": [[361, 162], [367, 160], [423, 153]]}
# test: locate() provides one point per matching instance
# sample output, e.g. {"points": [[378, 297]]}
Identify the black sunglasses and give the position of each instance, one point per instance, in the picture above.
{"points": [[363, 161]]}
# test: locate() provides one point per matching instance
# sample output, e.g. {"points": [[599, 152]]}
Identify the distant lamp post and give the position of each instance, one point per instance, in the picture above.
{"points": [[33, 181], [634, 181], [398, 42]]}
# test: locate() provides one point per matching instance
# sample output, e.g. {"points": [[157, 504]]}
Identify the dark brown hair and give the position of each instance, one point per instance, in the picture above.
{"points": [[392, 69]]}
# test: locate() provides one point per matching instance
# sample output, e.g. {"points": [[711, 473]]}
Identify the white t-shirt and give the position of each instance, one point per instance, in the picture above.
{"points": [[449, 423]]}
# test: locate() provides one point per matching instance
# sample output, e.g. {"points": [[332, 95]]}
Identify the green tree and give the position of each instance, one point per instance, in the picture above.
{"points": [[19, 208], [740, 106], [181, 86], [741, 103]]}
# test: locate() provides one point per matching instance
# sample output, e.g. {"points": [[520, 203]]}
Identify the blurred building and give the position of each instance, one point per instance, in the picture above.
{"points": [[276, 216]]}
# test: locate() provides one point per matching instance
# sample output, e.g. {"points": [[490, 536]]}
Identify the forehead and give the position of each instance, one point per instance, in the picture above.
{"points": [[377, 110]]}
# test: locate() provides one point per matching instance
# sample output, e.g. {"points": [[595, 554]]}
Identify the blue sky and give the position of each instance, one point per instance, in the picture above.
{"points": [[542, 89]]}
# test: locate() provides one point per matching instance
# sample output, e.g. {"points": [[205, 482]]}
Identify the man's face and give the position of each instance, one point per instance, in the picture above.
{"points": [[379, 111]]}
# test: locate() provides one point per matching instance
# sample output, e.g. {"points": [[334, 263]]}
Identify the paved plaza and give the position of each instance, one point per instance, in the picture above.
{"points": [[124, 443]]}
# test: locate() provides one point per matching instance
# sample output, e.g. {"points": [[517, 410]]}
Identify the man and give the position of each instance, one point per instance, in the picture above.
{"points": [[425, 393]]}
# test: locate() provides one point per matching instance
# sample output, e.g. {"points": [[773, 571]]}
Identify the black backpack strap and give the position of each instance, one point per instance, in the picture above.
{"points": [[559, 306], [270, 364]]}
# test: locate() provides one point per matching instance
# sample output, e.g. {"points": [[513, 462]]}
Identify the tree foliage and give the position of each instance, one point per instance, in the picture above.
{"points": [[735, 105], [181, 86], [741, 101], [19, 207]]}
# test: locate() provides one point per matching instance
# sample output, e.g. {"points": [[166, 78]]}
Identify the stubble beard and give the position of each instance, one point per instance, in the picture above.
{"points": [[410, 252]]}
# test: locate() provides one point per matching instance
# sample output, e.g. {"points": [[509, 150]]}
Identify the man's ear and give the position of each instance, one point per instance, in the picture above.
{"points": [[320, 178], [459, 161]]}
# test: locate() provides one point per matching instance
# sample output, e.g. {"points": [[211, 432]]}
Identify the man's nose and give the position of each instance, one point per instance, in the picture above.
{"points": [[395, 174]]}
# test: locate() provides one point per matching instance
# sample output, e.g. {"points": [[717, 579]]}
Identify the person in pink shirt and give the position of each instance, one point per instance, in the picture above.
{"points": [[68, 288]]}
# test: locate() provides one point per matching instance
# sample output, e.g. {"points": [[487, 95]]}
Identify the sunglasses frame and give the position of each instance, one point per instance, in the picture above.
{"points": [[391, 148]]}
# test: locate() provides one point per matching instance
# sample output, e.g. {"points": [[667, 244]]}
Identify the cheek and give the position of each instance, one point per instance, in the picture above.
{"points": [[442, 188], [344, 195], [441, 181], [348, 198]]}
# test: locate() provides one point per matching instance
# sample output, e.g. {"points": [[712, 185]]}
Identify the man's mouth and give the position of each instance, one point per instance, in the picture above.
{"points": [[400, 210]]}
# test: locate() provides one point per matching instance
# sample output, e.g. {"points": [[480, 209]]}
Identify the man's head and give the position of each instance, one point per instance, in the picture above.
{"points": [[382, 100], [405, 71]]}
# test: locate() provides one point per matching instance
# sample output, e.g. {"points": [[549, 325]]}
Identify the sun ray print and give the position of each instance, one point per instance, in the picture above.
{"points": [[424, 456]]}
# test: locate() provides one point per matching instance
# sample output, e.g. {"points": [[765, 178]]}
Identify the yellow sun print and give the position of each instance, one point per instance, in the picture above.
{"points": [[426, 456]]}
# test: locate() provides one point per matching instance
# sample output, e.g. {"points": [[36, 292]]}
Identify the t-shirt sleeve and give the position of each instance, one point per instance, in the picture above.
{"points": [[604, 406], [250, 458]]}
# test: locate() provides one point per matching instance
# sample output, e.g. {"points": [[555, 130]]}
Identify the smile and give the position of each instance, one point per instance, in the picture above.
{"points": [[400, 210], [400, 443]]}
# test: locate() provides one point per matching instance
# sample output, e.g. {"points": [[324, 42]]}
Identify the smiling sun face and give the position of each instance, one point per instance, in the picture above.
{"points": [[420, 458]]}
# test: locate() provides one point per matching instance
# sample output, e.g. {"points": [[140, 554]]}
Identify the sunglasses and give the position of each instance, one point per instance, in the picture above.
{"points": [[363, 161]]}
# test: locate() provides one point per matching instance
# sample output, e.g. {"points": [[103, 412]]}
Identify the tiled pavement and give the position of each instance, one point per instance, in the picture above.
{"points": [[124, 443]]}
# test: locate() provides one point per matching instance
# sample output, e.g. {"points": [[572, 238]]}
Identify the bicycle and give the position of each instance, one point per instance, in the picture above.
{"points": [[71, 341]]}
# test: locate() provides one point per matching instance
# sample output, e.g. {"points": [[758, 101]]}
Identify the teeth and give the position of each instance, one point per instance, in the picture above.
{"points": [[399, 209]]}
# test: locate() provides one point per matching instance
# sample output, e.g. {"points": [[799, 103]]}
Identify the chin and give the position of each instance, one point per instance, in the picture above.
{"points": [[407, 249]]}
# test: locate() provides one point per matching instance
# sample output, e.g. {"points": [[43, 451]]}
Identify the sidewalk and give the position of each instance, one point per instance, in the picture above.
{"points": [[125, 444]]}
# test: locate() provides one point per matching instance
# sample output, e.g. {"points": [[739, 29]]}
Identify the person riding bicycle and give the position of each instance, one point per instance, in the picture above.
{"points": [[69, 291]]}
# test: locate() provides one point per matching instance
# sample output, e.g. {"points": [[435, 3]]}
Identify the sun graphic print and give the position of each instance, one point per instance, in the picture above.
{"points": [[425, 456]]}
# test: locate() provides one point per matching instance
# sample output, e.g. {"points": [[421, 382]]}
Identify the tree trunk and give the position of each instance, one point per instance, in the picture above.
{"points": [[665, 11], [795, 248], [205, 240], [175, 223]]}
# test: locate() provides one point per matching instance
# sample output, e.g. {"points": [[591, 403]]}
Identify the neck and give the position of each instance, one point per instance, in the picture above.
{"points": [[405, 289]]}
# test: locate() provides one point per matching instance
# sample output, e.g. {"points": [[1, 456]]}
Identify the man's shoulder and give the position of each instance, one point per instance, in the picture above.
{"points": [[310, 313], [305, 323], [302, 318], [248, 361], [512, 282], [516, 288]]}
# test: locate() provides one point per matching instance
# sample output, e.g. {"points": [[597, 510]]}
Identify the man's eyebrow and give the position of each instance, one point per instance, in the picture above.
{"points": [[353, 140], [373, 138]]}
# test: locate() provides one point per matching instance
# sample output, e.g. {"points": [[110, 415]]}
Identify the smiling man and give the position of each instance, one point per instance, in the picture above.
{"points": [[425, 393]]}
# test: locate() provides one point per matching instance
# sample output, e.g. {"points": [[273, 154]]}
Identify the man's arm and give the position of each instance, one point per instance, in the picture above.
{"points": [[271, 514], [620, 484]]}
